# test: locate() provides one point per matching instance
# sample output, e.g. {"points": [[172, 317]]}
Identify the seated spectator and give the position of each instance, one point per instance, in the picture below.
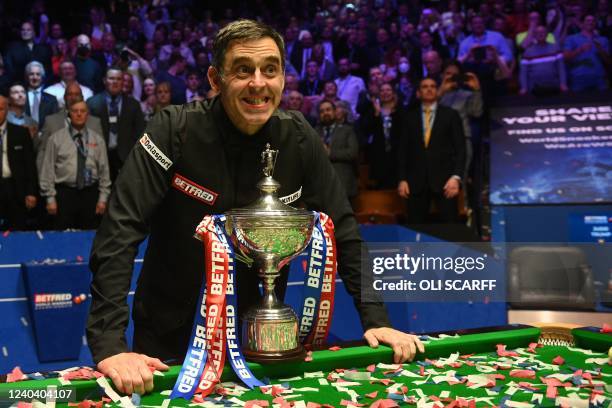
{"points": [[174, 75], [60, 120], [18, 181], [311, 85], [163, 95], [39, 104], [89, 72], [176, 45], [68, 76], [60, 54], [542, 67], [194, 90], [340, 144], [349, 86], [19, 53], [327, 68], [587, 55], [75, 177]]}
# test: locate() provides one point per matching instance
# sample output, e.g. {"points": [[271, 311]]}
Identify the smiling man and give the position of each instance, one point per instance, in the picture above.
{"points": [[205, 158]]}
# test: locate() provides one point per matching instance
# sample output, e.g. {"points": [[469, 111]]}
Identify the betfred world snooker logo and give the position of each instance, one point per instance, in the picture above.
{"points": [[57, 300]]}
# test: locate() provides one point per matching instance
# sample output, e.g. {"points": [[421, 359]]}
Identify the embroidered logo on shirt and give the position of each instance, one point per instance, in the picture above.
{"points": [[154, 152], [288, 199], [194, 190]]}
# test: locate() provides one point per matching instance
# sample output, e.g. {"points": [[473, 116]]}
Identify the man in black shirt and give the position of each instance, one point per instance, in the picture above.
{"points": [[213, 146]]}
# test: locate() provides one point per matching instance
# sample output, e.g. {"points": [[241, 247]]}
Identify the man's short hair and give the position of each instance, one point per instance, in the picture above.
{"points": [[244, 30], [77, 100], [326, 101], [425, 78], [175, 57], [32, 64], [113, 68]]}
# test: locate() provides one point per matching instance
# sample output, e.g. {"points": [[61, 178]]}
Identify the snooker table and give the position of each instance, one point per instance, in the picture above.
{"points": [[467, 368]]}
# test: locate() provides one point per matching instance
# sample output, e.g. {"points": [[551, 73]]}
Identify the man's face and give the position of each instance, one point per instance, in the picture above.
{"points": [[17, 95], [193, 82], [425, 39], [128, 84], [295, 100], [3, 109], [27, 32], [428, 90], [67, 72], [382, 36], [108, 42], [291, 83], [163, 95], [175, 38], [540, 34], [307, 40], [376, 75], [251, 83], [35, 77], [589, 24], [327, 113], [386, 93], [312, 69], [78, 114], [72, 94], [330, 90], [344, 66], [56, 31], [149, 51], [432, 62], [478, 27], [113, 82]]}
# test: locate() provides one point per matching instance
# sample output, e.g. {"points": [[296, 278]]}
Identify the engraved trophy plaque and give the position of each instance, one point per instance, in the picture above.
{"points": [[269, 233]]}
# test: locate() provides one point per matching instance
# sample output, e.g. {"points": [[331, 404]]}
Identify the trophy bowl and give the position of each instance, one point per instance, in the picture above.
{"points": [[269, 236]]}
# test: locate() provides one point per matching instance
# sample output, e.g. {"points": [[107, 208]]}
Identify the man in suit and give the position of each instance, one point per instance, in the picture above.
{"points": [[39, 104], [60, 120], [302, 52], [431, 157], [121, 117], [20, 52], [341, 145], [18, 182]]}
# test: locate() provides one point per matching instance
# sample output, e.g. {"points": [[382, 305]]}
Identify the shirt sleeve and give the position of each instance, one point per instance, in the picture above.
{"points": [[46, 177], [140, 187], [104, 181], [323, 191]]}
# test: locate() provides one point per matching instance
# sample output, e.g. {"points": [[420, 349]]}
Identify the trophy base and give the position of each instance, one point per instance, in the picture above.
{"points": [[271, 357]]}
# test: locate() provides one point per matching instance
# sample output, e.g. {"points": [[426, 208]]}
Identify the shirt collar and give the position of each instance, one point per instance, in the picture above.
{"points": [[3, 126], [39, 89], [433, 107]]}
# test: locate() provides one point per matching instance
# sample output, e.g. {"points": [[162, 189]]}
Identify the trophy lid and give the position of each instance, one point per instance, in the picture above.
{"points": [[268, 204]]}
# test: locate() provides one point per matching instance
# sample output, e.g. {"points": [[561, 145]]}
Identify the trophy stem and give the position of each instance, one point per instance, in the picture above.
{"points": [[269, 295]]}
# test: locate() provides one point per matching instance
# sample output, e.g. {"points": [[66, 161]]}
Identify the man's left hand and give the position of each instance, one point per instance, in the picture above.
{"points": [[100, 208], [30, 202], [404, 345], [451, 188]]}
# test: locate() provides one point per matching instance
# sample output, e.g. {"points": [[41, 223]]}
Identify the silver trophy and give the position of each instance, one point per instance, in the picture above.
{"points": [[269, 234]]}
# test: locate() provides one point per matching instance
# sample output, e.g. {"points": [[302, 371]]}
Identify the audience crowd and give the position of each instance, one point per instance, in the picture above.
{"points": [[76, 94]]}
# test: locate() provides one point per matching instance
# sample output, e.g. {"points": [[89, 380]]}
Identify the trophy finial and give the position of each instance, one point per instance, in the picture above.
{"points": [[268, 158]]}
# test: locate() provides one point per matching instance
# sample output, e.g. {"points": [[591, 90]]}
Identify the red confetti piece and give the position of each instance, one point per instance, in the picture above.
{"points": [[371, 368], [15, 375], [372, 394], [256, 403], [606, 328], [198, 399], [24, 404], [84, 373], [344, 403], [313, 405], [422, 371], [340, 370], [466, 356], [6, 234], [532, 347], [501, 351], [551, 392], [523, 374], [528, 386], [335, 348], [384, 403], [558, 360], [79, 258]]}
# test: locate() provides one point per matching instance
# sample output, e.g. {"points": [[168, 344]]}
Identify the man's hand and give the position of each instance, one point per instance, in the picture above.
{"points": [[100, 208], [130, 371], [403, 189], [52, 208], [30, 202], [404, 345], [451, 188], [472, 81]]}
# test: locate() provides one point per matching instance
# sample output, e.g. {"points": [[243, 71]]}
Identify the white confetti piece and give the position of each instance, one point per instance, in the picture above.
{"points": [[517, 404], [357, 375], [407, 373], [108, 390], [315, 374], [323, 381], [237, 402], [84, 340], [39, 234], [166, 392], [491, 392], [384, 366], [306, 389], [166, 403], [126, 402], [4, 351], [290, 379], [445, 394], [299, 404], [537, 398], [63, 381], [24, 321], [511, 390], [583, 351], [159, 373], [598, 361], [572, 400]]}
